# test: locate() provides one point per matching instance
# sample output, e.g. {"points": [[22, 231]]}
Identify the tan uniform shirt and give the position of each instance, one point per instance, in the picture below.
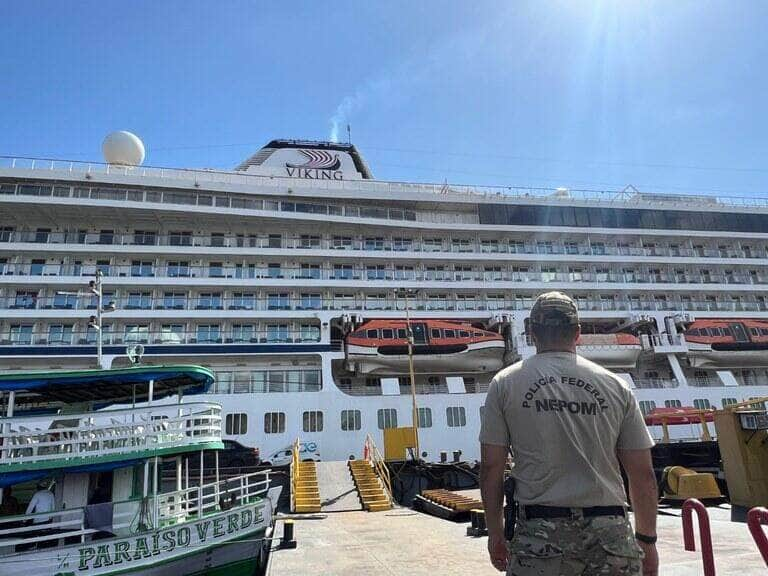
{"points": [[564, 417]]}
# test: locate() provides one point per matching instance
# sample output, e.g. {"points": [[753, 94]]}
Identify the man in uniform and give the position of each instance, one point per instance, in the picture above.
{"points": [[568, 423]]}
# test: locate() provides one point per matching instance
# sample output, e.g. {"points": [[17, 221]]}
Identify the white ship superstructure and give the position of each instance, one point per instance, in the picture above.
{"points": [[263, 273]]}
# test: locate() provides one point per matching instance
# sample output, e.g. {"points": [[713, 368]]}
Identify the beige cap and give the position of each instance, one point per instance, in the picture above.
{"points": [[554, 309]]}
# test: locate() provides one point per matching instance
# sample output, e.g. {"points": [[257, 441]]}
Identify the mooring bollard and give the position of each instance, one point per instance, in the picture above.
{"points": [[705, 534], [478, 527], [755, 520], [288, 541]]}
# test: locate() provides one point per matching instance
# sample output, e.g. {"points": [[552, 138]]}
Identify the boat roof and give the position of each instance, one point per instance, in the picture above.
{"points": [[105, 387]]}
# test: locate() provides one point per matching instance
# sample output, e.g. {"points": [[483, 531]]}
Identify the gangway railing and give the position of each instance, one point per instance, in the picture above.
{"points": [[372, 454], [295, 471]]}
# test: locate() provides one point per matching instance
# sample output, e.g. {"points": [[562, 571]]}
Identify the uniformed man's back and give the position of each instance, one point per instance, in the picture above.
{"points": [[567, 422], [564, 416]]}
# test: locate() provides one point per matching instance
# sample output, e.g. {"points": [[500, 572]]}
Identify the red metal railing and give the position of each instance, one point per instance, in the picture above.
{"points": [[756, 518], [705, 534]]}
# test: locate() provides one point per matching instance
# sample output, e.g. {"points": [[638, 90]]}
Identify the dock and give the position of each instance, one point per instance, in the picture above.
{"points": [[404, 542]]}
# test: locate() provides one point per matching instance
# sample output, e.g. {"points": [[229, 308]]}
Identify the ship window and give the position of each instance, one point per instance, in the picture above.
{"points": [[312, 421], [463, 334], [754, 331], [236, 424], [477, 334], [646, 406], [387, 333], [701, 404], [350, 420], [672, 404], [372, 333], [449, 333], [402, 333], [425, 417], [456, 415], [274, 422], [729, 401], [434, 333], [763, 331], [387, 418]]}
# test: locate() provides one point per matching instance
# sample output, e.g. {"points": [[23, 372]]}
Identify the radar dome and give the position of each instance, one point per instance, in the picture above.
{"points": [[123, 148]]}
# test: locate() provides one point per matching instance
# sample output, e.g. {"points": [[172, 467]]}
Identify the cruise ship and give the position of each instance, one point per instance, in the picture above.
{"points": [[297, 278]]}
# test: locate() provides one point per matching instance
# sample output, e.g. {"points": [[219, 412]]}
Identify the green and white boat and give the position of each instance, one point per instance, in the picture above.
{"points": [[101, 440]]}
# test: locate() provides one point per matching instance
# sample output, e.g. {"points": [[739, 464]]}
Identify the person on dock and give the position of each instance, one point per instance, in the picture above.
{"points": [[568, 423]]}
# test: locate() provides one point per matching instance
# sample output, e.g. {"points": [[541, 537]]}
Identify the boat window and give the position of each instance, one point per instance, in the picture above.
{"points": [[425, 417], [672, 404], [701, 404], [477, 334], [646, 406], [763, 331], [387, 418], [387, 333], [729, 401], [274, 422], [754, 331], [402, 333], [236, 424], [372, 333], [463, 334], [456, 416], [312, 421], [350, 420], [434, 333], [449, 333]]}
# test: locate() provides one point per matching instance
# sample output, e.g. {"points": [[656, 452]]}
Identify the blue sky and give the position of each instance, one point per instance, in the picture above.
{"points": [[667, 96]]}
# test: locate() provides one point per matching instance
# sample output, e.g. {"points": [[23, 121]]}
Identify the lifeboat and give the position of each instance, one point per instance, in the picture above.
{"points": [[728, 343], [439, 346], [610, 350]]}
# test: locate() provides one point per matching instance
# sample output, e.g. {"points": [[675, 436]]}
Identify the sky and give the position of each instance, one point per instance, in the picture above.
{"points": [[665, 96]]}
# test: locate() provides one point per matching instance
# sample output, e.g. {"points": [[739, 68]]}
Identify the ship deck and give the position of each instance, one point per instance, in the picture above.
{"points": [[402, 541]]}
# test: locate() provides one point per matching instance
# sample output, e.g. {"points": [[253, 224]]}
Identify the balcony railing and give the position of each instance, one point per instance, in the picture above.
{"points": [[448, 246], [158, 337], [656, 382], [360, 187], [31, 270], [74, 437]]}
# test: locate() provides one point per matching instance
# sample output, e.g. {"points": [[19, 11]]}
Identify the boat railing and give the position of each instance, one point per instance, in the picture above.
{"points": [[38, 439], [197, 501], [501, 194], [136, 515]]}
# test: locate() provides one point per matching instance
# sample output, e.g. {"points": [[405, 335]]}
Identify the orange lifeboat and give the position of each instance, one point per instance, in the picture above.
{"points": [[728, 342], [439, 346]]}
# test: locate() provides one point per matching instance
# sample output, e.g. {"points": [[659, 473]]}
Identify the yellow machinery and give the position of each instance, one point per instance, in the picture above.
{"points": [[742, 433], [680, 483], [397, 443]]}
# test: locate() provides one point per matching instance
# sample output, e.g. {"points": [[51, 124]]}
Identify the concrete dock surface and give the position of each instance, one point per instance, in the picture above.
{"points": [[405, 542]]}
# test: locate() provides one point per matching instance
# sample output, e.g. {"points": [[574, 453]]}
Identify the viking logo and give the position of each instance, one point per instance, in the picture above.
{"points": [[318, 160]]}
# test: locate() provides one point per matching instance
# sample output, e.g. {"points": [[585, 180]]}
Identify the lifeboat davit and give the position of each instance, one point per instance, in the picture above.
{"points": [[439, 346], [728, 343], [610, 350]]}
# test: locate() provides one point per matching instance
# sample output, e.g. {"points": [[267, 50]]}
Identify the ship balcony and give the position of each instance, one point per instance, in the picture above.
{"points": [[65, 440], [665, 343]]}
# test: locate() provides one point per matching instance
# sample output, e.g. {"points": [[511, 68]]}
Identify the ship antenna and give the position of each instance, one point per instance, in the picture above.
{"points": [[349, 134]]}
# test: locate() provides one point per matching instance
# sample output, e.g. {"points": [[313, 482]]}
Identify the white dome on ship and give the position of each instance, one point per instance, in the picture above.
{"points": [[123, 148]]}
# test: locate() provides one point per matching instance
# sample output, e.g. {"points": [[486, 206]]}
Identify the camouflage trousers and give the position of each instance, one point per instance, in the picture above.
{"points": [[603, 545]]}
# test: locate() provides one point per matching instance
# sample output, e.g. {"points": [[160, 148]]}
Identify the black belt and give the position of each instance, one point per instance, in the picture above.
{"points": [[536, 511]]}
